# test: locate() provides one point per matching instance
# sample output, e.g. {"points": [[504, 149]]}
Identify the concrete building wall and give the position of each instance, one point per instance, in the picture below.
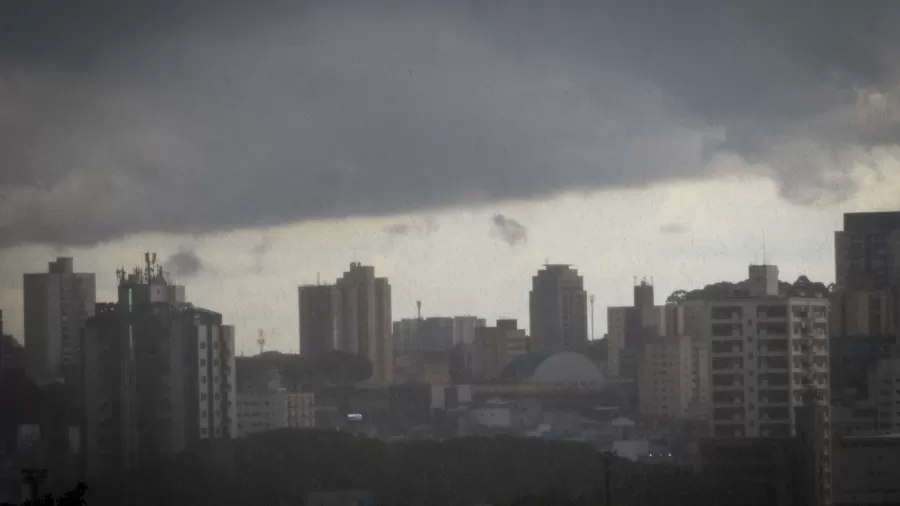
{"points": [[665, 379], [57, 304], [558, 309], [318, 306], [265, 411], [867, 470], [884, 390], [494, 348], [758, 350]]}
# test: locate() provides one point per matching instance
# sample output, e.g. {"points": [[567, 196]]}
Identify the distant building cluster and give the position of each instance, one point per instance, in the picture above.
{"points": [[778, 393]]}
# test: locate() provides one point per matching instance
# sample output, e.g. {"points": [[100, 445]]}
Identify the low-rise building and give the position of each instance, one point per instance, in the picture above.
{"points": [[265, 411], [867, 470], [495, 347]]}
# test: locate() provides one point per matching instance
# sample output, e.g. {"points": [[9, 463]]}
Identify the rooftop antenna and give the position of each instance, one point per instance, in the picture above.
{"points": [[261, 341], [419, 309], [764, 248]]}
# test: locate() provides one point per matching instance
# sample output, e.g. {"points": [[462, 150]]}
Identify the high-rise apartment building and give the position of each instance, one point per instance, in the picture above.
{"points": [[766, 352], [57, 303], [353, 315], [558, 309], [318, 313], [629, 327], [867, 275], [495, 347], [770, 370], [364, 319], [666, 377], [159, 375]]}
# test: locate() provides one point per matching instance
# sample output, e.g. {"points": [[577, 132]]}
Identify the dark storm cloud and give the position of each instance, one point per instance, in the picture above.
{"points": [[426, 227], [184, 263], [508, 230], [195, 116]]}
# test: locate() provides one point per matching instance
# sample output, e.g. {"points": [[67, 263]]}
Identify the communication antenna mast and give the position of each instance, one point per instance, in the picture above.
{"points": [[592, 316], [418, 309], [261, 341]]}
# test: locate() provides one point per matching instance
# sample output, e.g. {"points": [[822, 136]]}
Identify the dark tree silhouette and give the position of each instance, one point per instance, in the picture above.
{"points": [[74, 497], [802, 287]]}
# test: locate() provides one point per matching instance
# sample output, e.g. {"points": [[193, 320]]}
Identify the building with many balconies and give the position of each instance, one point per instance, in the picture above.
{"points": [[769, 358]]}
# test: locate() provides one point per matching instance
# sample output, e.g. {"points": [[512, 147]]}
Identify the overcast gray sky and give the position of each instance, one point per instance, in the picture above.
{"points": [[454, 144]]}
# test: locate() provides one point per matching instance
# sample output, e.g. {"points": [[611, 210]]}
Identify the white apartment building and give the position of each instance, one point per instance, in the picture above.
{"points": [[666, 377], [265, 411], [762, 351]]}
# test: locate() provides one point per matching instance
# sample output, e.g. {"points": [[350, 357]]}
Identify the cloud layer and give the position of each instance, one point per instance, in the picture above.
{"points": [[508, 230], [184, 263], [198, 116]]}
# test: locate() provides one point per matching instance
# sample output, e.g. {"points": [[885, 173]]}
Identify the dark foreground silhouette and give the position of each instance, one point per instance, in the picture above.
{"points": [[281, 467], [74, 497]]}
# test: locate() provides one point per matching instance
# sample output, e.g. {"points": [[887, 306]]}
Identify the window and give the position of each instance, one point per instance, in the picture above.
{"points": [[203, 397], [202, 379], [202, 345], [202, 361]]}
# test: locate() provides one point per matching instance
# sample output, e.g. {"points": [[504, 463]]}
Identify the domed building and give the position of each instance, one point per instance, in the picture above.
{"points": [[558, 369]]}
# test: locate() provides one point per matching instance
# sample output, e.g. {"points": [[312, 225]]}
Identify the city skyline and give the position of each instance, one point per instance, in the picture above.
{"points": [[700, 256], [448, 145]]}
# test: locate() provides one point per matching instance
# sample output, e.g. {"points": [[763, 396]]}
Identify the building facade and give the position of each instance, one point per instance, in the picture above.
{"points": [[558, 309], [158, 377], [57, 303], [867, 470], [495, 347], [318, 312], [364, 319], [353, 315], [866, 299], [265, 411], [666, 377], [629, 327], [884, 392]]}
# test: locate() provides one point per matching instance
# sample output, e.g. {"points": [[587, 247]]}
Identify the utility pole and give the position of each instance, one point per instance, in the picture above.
{"points": [[592, 317], [607, 475]]}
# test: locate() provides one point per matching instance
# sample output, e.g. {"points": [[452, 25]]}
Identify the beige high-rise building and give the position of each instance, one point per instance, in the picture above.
{"points": [[666, 377], [57, 304], [363, 319], [558, 309]]}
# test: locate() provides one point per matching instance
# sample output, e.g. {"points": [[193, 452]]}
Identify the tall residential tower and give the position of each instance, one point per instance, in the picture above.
{"points": [[57, 304], [558, 309]]}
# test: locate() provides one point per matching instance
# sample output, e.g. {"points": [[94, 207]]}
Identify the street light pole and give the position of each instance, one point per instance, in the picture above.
{"points": [[607, 475]]}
